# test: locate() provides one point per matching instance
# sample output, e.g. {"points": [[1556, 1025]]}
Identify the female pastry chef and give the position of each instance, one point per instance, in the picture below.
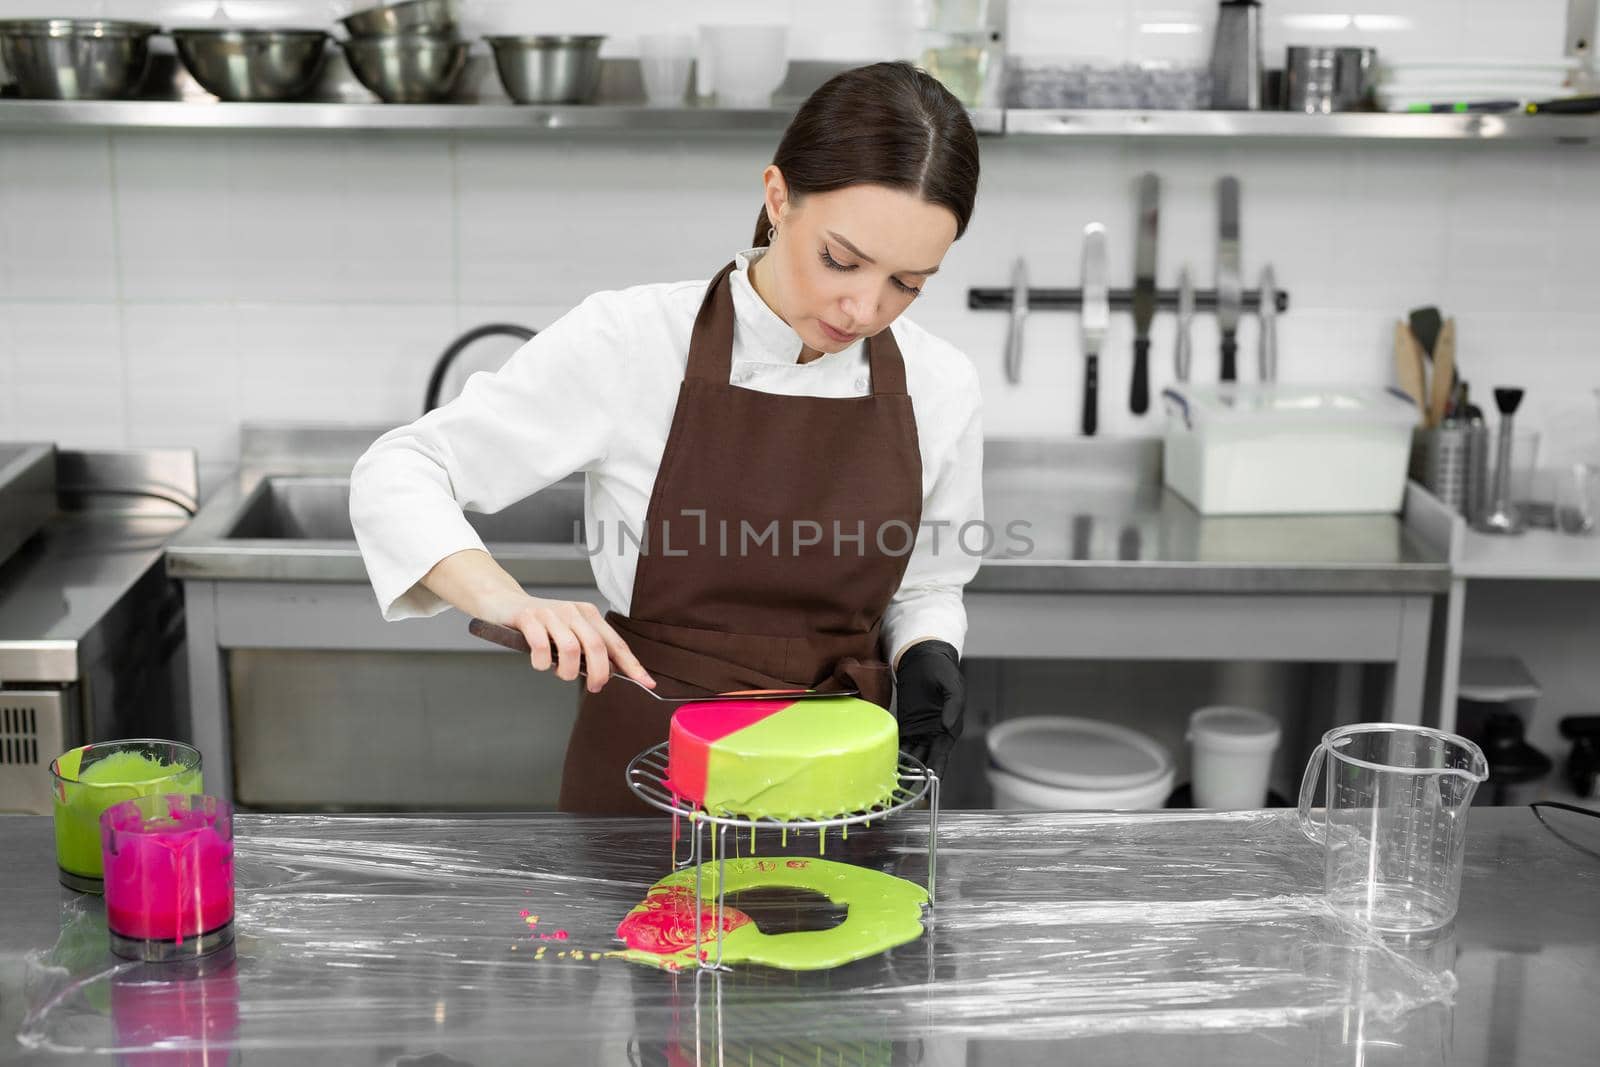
{"points": [[779, 465]]}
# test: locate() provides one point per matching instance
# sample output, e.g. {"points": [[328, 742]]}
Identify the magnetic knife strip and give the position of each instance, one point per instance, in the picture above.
{"points": [[982, 299]]}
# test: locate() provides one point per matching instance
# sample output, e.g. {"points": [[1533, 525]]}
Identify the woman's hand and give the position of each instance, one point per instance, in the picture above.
{"points": [[562, 633], [565, 633]]}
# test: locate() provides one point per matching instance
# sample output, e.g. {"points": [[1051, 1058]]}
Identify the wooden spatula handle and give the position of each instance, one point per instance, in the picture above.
{"points": [[1408, 370], [504, 636], [1444, 373]]}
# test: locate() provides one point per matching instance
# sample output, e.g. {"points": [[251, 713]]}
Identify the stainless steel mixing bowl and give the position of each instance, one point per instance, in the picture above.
{"points": [[253, 64], [76, 59], [410, 16], [408, 68], [546, 69]]}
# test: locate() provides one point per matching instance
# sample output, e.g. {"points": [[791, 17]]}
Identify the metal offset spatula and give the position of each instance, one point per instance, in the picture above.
{"points": [[1183, 351], [507, 637], [1095, 316]]}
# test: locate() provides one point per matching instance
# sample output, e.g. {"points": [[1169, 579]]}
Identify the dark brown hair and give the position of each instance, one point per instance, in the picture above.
{"points": [[883, 124]]}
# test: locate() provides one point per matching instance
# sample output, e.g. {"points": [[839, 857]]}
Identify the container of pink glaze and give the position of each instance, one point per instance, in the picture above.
{"points": [[168, 876]]}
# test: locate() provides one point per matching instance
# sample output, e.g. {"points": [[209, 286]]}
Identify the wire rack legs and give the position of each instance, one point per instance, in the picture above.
{"points": [[708, 943]]}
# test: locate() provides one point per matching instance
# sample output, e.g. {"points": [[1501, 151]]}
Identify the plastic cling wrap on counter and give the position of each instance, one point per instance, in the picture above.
{"points": [[479, 940]]}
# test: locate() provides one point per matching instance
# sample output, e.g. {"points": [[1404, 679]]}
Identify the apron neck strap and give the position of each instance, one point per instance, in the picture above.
{"points": [[711, 343]]}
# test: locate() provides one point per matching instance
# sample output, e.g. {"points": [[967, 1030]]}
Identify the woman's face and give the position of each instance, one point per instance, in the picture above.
{"points": [[846, 263]]}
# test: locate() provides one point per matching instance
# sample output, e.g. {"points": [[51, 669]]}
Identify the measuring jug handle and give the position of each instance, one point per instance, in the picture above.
{"points": [[1317, 832]]}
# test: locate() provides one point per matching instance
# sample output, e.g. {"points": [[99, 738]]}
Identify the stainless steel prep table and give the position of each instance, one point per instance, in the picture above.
{"points": [[91, 628], [1133, 938]]}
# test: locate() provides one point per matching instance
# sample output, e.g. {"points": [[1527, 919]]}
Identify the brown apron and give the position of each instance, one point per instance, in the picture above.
{"points": [[724, 599]]}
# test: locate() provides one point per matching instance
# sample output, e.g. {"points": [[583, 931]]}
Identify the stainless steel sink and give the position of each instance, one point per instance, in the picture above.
{"points": [[286, 517], [295, 508]]}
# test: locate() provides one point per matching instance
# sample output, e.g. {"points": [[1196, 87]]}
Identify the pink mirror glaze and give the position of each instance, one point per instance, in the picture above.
{"points": [[696, 727], [168, 867]]}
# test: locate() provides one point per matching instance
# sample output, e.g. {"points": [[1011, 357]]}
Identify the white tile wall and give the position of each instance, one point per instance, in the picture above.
{"points": [[57, 238], [159, 287]]}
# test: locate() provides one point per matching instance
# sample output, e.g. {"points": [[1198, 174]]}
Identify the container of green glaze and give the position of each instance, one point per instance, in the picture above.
{"points": [[90, 779]]}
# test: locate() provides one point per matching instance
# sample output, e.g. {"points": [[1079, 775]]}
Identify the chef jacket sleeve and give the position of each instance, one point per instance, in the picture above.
{"points": [[548, 412], [951, 539]]}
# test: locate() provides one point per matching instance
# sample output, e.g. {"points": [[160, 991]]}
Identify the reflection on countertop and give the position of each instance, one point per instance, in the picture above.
{"points": [[1149, 937]]}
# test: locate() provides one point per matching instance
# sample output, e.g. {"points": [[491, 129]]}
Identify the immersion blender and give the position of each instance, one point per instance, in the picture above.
{"points": [[1503, 516]]}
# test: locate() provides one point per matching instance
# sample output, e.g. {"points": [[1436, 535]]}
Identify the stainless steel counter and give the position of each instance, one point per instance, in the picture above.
{"points": [[57, 592], [1126, 939]]}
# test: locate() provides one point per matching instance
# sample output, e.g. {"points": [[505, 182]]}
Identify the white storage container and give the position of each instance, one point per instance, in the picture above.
{"points": [[1232, 755], [1236, 449], [1060, 763]]}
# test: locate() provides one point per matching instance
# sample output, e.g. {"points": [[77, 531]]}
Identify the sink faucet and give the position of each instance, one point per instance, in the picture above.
{"points": [[436, 379]]}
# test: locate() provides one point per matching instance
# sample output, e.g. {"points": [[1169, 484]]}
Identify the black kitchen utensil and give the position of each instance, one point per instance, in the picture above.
{"points": [[1230, 294], [1425, 326]]}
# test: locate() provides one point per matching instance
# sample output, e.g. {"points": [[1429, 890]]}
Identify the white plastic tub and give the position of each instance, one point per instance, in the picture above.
{"points": [[1059, 763], [1231, 750], [1236, 449]]}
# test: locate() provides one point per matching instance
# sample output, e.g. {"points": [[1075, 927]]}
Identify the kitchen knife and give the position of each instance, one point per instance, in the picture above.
{"points": [[1183, 351], [1229, 295], [1093, 320], [1268, 354], [1019, 320], [1144, 290], [507, 637]]}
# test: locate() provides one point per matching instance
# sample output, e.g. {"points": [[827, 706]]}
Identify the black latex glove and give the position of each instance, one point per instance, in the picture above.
{"points": [[930, 702]]}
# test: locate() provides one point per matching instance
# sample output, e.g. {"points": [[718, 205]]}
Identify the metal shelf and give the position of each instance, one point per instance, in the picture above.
{"points": [[1285, 125], [634, 118], [215, 114]]}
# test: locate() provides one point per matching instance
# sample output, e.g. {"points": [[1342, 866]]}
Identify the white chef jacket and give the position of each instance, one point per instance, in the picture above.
{"points": [[595, 392]]}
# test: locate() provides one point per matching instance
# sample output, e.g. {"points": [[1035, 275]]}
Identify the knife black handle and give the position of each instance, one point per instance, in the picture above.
{"points": [[1139, 400], [1091, 396], [1230, 358]]}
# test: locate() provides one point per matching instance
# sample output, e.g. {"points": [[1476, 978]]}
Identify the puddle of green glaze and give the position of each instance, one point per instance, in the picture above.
{"points": [[882, 911]]}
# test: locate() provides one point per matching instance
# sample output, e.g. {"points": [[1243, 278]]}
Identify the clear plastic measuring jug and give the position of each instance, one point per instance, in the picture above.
{"points": [[1394, 831]]}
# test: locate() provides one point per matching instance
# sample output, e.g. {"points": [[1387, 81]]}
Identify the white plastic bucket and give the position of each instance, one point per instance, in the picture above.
{"points": [[1060, 763], [1232, 753]]}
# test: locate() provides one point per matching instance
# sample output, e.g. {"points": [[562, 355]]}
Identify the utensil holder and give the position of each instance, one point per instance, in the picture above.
{"points": [[1449, 461]]}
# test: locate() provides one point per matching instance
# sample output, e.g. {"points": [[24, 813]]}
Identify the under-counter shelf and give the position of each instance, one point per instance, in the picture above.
{"points": [[633, 118]]}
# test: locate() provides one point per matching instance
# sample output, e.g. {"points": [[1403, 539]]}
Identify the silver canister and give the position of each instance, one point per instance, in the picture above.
{"points": [[1441, 459], [1236, 72], [1321, 79]]}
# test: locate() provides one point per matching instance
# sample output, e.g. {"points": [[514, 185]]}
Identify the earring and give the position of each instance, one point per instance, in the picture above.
{"points": [[772, 231]]}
